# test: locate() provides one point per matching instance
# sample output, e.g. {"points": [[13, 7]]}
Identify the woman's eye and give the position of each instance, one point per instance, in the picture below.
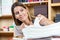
{"points": [[21, 10], [17, 13]]}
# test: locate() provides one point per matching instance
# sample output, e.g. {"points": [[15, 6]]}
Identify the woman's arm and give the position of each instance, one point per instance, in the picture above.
{"points": [[44, 20]]}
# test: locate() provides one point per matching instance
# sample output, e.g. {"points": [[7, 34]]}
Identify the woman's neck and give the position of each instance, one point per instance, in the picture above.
{"points": [[27, 22]]}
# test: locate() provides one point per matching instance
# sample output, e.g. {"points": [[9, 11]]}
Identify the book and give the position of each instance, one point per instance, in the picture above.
{"points": [[56, 1], [21, 0], [26, 0], [41, 9], [57, 18], [30, 0]]}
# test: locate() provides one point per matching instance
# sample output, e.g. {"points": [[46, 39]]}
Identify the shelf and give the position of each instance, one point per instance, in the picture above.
{"points": [[5, 16], [55, 4], [35, 2], [6, 34]]}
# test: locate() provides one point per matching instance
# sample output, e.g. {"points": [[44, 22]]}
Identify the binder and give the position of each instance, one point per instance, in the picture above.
{"points": [[21, 0], [35, 0], [41, 9], [56, 1], [57, 18], [30, 0]]}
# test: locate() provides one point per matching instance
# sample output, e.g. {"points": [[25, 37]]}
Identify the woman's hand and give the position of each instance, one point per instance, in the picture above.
{"points": [[44, 20]]}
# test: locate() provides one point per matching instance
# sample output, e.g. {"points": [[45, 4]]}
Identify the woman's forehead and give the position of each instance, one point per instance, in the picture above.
{"points": [[18, 8]]}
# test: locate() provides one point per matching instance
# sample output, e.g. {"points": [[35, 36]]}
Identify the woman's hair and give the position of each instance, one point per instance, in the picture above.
{"points": [[18, 22]]}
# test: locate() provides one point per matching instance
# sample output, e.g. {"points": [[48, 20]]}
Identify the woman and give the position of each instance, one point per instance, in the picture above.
{"points": [[24, 19]]}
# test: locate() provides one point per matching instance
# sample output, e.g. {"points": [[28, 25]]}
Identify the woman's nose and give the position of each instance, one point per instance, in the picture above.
{"points": [[20, 13]]}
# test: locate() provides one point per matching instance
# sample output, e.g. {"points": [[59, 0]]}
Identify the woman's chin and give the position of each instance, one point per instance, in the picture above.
{"points": [[23, 20]]}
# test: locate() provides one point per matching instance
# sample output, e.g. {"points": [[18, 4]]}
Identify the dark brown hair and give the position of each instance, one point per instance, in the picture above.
{"points": [[18, 22]]}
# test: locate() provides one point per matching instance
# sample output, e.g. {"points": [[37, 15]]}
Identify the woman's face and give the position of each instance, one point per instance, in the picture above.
{"points": [[20, 13]]}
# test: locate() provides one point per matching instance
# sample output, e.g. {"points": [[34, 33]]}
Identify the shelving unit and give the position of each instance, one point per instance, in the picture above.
{"points": [[55, 4], [5, 16]]}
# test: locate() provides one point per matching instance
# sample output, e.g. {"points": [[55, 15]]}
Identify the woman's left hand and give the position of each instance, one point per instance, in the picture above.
{"points": [[45, 21]]}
